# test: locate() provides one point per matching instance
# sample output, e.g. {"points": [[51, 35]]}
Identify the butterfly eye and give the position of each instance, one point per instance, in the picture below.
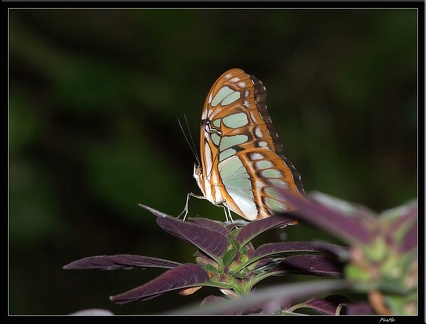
{"points": [[197, 170], [206, 124]]}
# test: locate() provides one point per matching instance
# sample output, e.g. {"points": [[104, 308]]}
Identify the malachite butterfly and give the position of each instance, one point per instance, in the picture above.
{"points": [[242, 166]]}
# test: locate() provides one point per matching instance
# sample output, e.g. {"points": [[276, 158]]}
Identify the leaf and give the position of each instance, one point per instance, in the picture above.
{"points": [[358, 308], [211, 225], [212, 300], [286, 247], [317, 265], [264, 262], [120, 261], [212, 241], [184, 276], [326, 306], [399, 215], [229, 256], [92, 312], [403, 225], [269, 299], [349, 229], [410, 240], [154, 211], [251, 230]]}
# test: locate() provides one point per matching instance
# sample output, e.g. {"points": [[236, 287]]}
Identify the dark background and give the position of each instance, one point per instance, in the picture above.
{"points": [[94, 100]]}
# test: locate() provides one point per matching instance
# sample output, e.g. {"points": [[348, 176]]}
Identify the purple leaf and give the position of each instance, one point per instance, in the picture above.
{"points": [[410, 240], [403, 226], [211, 300], [404, 214], [349, 229], [359, 308], [206, 235], [317, 265], [183, 276], [251, 230], [264, 262], [210, 241], [92, 312], [120, 261], [211, 225], [237, 223], [154, 211], [285, 247], [269, 299], [326, 306]]}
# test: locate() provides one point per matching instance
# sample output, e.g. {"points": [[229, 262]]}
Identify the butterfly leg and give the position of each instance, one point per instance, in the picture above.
{"points": [[228, 216], [185, 209]]}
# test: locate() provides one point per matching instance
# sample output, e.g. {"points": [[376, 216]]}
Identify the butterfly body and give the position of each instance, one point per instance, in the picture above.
{"points": [[242, 162]]}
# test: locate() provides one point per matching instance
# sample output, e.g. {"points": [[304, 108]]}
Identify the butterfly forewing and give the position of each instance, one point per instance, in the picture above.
{"points": [[242, 161]]}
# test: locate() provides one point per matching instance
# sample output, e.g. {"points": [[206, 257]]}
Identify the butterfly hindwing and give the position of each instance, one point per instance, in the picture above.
{"points": [[242, 162]]}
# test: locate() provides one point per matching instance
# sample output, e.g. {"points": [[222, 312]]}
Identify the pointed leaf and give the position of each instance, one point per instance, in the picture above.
{"points": [[183, 276], [236, 223], [120, 261], [403, 225], [263, 262], [269, 299], [251, 230], [400, 215], [211, 225], [229, 256], [154, 211], [212, 300], [285, 247], [212, 241], [358, 308], [326, 306], [349, 229], [317, 265], [92, 312], [410, 240], [163, 215]]}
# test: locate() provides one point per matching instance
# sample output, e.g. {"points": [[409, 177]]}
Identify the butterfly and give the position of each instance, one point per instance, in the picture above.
{"points": [[242, 165]]}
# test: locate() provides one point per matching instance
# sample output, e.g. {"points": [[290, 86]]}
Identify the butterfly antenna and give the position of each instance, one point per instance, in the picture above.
{"points": [[189, 140]]}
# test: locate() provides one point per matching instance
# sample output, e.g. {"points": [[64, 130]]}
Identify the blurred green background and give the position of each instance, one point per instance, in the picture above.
{"points": [[93, 131]]}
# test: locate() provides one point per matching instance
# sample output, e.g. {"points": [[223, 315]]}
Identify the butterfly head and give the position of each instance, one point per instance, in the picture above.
{"points": [[197, 173]]}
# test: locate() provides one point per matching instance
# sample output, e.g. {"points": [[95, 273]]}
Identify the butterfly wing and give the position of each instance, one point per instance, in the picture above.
{"points": [[242, 160]]}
